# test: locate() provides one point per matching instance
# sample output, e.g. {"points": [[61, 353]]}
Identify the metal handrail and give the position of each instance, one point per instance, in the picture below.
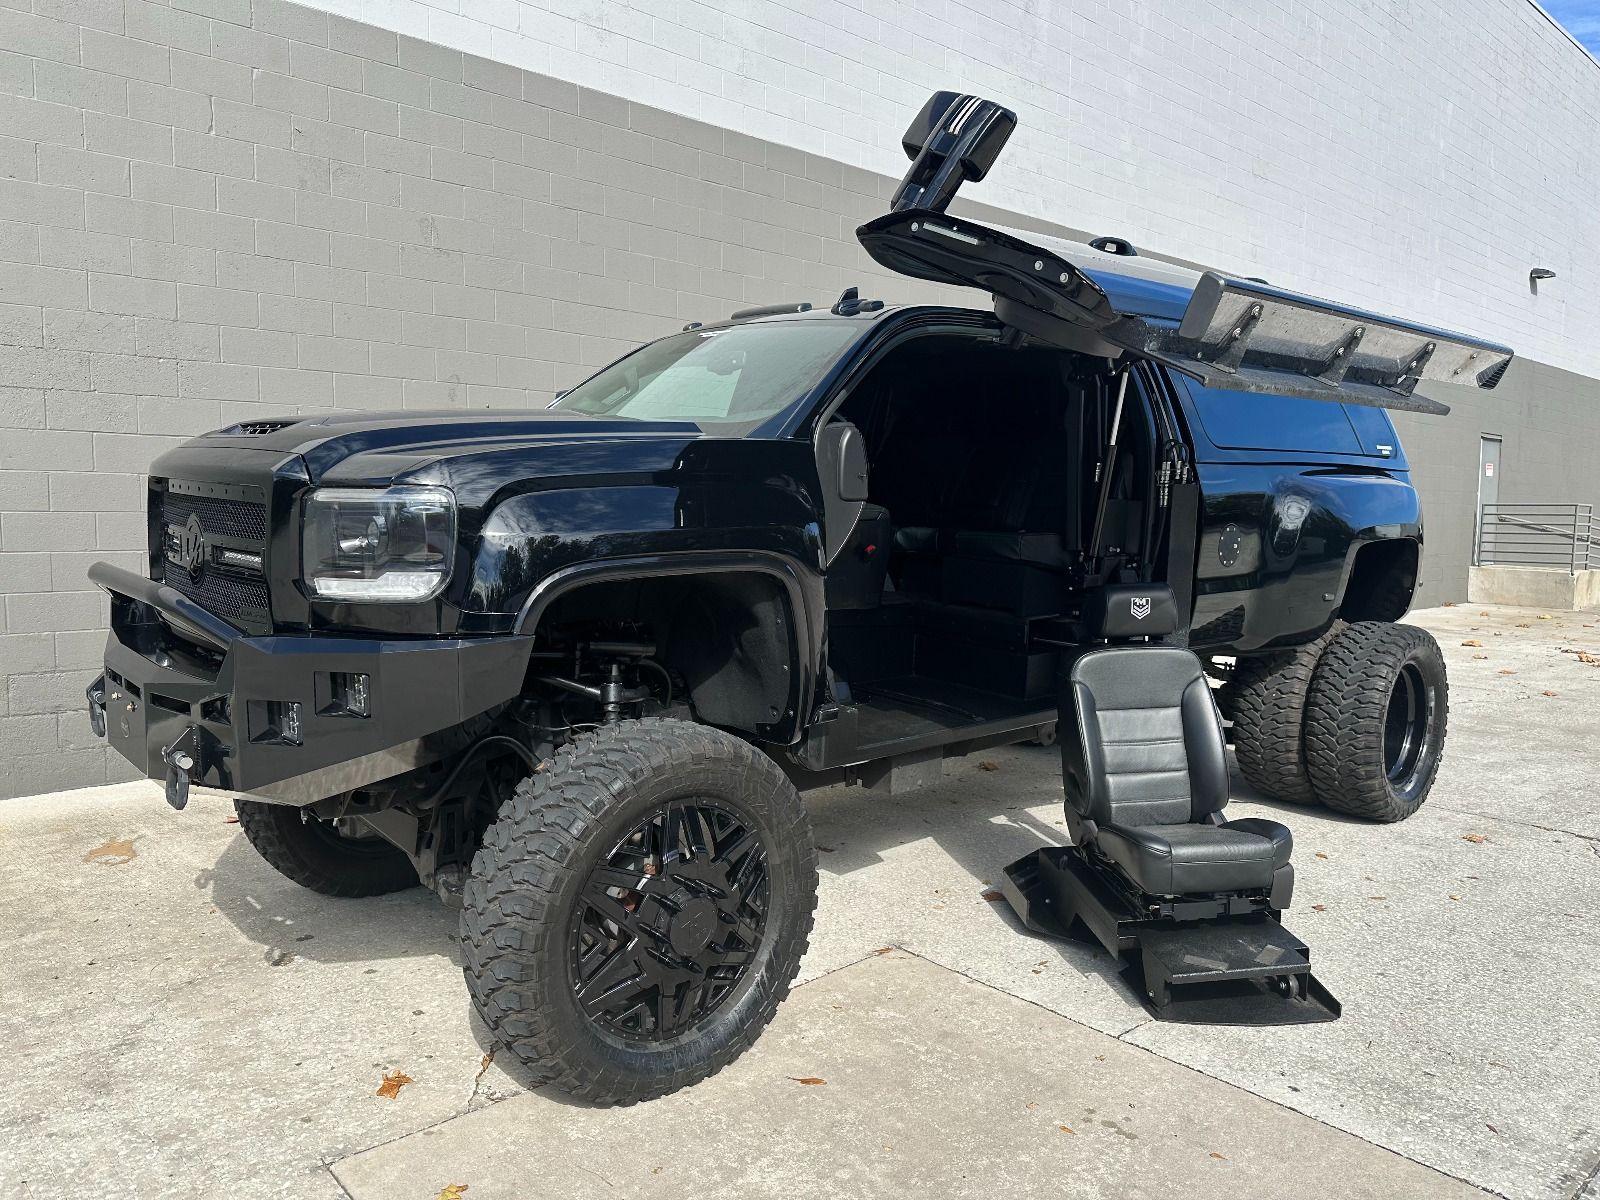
{"points": [[1553, 536]]}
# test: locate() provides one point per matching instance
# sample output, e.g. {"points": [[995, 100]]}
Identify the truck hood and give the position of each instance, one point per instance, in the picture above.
{"points": [[377, 447]]}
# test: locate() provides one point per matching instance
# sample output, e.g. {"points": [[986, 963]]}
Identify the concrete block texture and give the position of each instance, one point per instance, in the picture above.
{"points": [[216, 209]]}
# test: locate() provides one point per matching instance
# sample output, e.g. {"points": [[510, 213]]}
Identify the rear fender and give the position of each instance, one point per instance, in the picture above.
{"points": [[1278, 544]]}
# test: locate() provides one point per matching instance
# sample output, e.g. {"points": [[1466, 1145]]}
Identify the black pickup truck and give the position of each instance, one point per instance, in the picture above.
{"points": [[571, 667]]}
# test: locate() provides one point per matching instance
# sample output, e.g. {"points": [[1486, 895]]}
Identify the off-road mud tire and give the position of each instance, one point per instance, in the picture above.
{"points": [[316, 855], [528, 876], [1349, 755], [1266, 701]]}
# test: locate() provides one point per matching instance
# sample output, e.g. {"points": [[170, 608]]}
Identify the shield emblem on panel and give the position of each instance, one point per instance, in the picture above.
{"points": [[1140, 607]]}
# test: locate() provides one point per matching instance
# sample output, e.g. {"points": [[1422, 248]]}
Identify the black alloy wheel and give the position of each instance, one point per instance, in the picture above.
{"points": [[670, 921], [1405, 728], [638, 909]]}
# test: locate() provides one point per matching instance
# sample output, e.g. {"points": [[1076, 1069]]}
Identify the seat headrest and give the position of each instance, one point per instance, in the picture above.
{"points": [[1127, 610]]}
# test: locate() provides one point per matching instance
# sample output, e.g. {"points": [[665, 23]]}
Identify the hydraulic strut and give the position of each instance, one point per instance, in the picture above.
{"points": [[1108, 465]]}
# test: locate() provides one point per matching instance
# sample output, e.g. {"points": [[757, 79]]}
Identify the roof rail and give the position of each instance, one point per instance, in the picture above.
{"points": [[771, 310]]}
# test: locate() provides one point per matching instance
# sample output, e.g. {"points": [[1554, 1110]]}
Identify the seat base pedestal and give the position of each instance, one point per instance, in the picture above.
{"points": [[1213, 960]]}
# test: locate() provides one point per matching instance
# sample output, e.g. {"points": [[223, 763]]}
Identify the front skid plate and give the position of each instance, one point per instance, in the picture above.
{"points": [[1223, 971]]}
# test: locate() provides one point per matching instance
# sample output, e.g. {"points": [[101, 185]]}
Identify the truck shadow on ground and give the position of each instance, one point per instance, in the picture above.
{"points": [[988, 812], [980, 819], [982, 816], [284, 918]]}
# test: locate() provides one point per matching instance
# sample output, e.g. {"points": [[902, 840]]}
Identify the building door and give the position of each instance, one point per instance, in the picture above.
{"points": [[1488, 486]]}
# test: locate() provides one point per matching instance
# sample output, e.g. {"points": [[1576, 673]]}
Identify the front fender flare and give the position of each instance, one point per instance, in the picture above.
{"points": [[802, 590]]}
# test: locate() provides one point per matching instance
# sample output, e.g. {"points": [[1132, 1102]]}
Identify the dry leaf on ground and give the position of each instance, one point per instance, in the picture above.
{"points": [[1066, 1129], [1320, 854], [393, 1081], [808, 1080], [1480, 656], [113, 854], [1472, 642], [1222, 1157], [451, 1191], [1547, 692], [993, 897], [986, 765], [1319, 908], [1477, 839]]}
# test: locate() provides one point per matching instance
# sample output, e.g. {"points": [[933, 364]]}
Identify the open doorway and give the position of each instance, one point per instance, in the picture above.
{"points": [[1001, 485]]}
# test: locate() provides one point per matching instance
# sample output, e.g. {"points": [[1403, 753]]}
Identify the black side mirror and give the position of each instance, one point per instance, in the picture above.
{"points": [[954, 139], [842, 460]]}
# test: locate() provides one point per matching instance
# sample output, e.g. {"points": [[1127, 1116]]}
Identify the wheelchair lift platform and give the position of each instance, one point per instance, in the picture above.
{"points": [[1186, 899], [1222, 961]]}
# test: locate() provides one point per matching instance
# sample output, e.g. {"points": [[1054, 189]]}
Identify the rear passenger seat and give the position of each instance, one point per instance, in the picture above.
{"points": [[986, 514]]}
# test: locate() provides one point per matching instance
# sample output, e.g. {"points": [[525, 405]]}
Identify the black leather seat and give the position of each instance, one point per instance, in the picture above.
{"points": [[1144, 760]]}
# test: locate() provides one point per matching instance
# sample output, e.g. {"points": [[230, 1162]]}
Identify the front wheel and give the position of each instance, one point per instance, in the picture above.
{"points": [[321, 855], [1376, 717], [638, 910]]}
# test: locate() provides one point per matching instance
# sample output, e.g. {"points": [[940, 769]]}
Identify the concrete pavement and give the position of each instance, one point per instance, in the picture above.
{"points": [[177, 1020], [927, 1083]]}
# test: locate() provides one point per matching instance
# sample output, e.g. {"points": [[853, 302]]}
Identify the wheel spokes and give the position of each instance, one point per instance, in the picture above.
{"points": [[646, 964], [617, 979], [740, 845]]}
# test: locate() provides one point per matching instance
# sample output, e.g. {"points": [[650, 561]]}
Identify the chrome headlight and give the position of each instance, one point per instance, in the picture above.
{"points": [[363, 544]]}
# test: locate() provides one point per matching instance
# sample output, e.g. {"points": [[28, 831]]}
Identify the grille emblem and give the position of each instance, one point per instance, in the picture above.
{"points": [[192, 547], [1140, 607]]}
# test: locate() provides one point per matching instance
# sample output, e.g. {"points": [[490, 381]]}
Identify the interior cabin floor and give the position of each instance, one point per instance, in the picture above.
{"points": [[912, 712]]}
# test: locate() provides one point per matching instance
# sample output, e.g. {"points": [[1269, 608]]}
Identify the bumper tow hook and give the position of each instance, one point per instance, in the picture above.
{"points": [[95, 693], [182, 759]]}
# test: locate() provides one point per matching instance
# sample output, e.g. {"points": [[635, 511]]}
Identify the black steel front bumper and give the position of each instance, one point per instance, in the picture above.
{"points": [[187, 697]]}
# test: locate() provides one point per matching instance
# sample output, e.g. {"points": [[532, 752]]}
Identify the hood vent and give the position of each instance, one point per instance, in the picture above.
{"points": [[254, 428]]}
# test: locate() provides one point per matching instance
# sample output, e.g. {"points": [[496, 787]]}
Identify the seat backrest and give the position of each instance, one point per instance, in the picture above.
{"points": [[1141, 738]]}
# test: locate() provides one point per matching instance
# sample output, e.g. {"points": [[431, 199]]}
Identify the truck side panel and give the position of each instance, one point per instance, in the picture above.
{"points": [[1293, 491], [1278, 541]]}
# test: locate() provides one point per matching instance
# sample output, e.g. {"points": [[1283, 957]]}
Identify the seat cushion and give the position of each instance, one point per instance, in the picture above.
{"points": [[1044, 549], [1176, 860], [917, 539]]}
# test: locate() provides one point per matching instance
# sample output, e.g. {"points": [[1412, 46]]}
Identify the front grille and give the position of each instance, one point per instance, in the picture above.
{"points": [[244, 520], [231, 517], [242, 601]]}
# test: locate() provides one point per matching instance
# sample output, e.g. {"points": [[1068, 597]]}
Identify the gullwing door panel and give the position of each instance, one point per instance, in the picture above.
{"points": [[1225, 332]]}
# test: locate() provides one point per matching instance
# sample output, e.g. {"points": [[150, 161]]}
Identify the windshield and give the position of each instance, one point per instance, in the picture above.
{"points": [[717, 378]]}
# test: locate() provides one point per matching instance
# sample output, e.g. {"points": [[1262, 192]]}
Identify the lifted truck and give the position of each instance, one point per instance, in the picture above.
{"points": [[571, 668]]}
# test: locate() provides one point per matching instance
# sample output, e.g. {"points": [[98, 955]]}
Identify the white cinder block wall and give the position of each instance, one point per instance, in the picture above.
{"points": [[220, 209], [1412, 155]]}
